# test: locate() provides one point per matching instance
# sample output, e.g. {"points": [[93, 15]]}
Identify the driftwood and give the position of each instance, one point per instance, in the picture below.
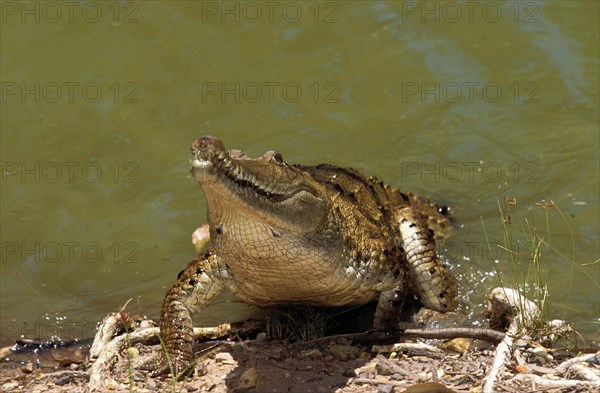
{"points": [[108, 344], [420, 348], [106, 348], [489, 335], [538, 382], [592, 357], [584, 373], [506, 308], [505, 304]]}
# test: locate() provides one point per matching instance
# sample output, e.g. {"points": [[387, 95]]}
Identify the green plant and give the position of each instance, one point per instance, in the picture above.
{"points": [[297, 323], [525, 245]]}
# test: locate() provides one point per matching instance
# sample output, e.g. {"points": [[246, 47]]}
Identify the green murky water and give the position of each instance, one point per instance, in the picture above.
{"points": [[463, 102]]}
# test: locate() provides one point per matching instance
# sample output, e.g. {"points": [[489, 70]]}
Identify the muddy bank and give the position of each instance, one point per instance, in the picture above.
{"points": [[337, 364], [516, 356]]}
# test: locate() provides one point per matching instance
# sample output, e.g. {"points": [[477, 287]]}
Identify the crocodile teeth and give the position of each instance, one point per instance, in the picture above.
{"points": [[200, 164]]}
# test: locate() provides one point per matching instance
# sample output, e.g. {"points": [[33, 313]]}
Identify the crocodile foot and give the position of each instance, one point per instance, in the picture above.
{"points": [[160, 366]]}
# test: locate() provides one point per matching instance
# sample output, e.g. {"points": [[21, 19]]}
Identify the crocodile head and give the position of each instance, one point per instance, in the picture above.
{"points": [[267, 192]]}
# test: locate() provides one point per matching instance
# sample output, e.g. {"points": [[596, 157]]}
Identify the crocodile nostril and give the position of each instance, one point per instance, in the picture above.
{"points": [[273, 156], [207, 143]]}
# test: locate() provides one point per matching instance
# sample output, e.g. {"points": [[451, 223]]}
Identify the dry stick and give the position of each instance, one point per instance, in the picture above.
{"points": [[508, 303], [503, 302], [585, 373], [107, 349], [545, 383], [108, 356], [490, 335], [564, 366], [109, 328], [407, 347]]}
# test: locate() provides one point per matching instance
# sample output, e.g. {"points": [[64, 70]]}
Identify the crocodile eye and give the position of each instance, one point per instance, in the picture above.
{"points": [[278, 158]]}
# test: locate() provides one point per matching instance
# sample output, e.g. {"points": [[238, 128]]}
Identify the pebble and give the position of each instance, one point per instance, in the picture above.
{"points": [[7, 387], [344, 352], [398, 377], [460, 345], [262, 336], [248, 379], [385, 389], [62, 380], [28, 368], [541, 353], [151, 384], [209, 386], [384, 367], [366, 375], [225, 358]]}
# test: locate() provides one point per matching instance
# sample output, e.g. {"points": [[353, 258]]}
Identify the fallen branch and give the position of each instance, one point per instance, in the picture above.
{"points": [[545, 383], [505, 304], [107, 348], [107, 357], [450, 333], [564, 366], [583, 372], [420, 348], [489, 335]]}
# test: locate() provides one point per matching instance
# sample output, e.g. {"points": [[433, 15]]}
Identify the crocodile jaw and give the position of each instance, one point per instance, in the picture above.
{"points": [[266, 188]]}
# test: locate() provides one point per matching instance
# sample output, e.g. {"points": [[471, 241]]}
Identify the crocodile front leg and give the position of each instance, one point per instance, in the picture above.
{"points": [[196, 286], [435, 286]]}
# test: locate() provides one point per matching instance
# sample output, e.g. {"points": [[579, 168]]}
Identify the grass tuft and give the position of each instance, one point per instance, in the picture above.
{"points": [[526, 243], [297, 323]]}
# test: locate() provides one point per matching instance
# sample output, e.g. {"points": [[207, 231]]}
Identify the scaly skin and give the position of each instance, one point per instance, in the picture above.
{"points": [[314, 235]]}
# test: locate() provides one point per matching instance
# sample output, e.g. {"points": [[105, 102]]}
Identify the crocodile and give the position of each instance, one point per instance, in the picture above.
{"points": [[319, 235]]}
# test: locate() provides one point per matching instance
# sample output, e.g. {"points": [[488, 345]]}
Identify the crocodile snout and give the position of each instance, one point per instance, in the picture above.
{"points": [[208, 153], [207, 147]]}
